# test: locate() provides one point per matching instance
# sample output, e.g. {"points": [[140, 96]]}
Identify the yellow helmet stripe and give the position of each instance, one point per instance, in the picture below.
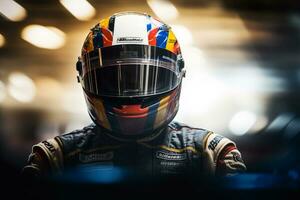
{"points": [[104, 23], [171, 41], [89, 42], [100, 111], [161, 111]]}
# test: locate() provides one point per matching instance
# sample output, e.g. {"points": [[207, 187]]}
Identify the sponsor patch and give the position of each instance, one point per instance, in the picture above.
{"points": [[92, 157], [212, 145], [172, 164], [170, 156]]}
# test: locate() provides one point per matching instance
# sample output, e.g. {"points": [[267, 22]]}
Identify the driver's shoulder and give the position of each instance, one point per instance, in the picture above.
{"points": [[54, 150], [181, 134]]}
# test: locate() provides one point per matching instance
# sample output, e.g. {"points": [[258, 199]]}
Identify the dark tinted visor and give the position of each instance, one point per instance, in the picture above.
{"points": [[130, 80], [130, 70]]}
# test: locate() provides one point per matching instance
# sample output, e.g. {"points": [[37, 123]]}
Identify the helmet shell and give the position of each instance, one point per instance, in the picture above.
{"points": [[131, 119], [131, 28]]}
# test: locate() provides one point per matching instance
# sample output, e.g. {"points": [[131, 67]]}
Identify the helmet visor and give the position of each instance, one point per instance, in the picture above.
{"points": [[130, 80], [143, 71]]}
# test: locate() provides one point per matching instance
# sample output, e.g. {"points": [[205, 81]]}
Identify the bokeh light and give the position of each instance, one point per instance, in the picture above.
{"points": [[2, 92], [47, 37], [183, 34], [164, 9], [241, 122], [21, 87], [2, 40], [12, 10], [81, 9]]}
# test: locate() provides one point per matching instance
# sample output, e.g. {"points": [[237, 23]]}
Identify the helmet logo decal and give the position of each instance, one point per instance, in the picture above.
{"points": [[129, 40], [130, 28]]}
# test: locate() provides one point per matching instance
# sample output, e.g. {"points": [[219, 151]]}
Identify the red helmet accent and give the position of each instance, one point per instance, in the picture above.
{"points": [[132, 111]]}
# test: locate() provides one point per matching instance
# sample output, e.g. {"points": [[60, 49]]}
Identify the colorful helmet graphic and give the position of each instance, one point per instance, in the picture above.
{"points": [[131, 70]]}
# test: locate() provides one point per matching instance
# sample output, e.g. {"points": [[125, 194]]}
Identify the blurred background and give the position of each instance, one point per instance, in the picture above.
{"points": [[242, 62]]}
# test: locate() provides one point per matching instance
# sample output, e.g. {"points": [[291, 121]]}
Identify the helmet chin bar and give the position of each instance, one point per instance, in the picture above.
{"points": [[129, 127], [147, 134]]}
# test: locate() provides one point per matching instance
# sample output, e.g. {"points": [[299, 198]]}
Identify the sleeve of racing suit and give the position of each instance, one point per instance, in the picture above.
{"points": [[230, 161], [223, 157], [46, 158], [37, 165]]}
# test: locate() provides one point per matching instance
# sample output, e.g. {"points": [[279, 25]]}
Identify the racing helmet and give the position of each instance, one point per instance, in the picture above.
{"points": [[131, 69]]}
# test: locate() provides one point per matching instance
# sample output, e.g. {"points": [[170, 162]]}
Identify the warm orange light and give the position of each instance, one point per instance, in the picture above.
{"points": [[12, 10], [81, 9], [47, 37]]}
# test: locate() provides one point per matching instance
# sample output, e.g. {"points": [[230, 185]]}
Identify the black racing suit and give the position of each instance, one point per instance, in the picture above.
{"points": [[175, 149]]}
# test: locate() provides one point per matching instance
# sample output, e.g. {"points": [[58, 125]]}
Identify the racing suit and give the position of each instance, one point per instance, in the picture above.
{"points": [[176, 149]]}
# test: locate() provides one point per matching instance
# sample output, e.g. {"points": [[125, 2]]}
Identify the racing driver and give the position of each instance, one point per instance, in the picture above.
{"points": [[131, 69]]}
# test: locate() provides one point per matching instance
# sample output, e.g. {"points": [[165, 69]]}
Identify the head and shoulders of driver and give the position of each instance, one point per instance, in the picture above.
{"points": [[131, 69]]}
